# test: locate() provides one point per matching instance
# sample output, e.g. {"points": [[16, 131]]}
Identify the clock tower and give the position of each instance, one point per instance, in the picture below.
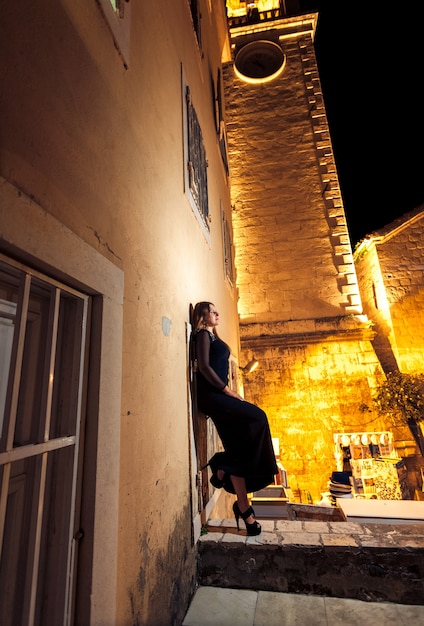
{"points": [[299, 303]]}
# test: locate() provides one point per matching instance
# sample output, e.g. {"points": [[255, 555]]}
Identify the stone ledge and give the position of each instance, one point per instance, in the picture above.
{"points": [[371, 562]]}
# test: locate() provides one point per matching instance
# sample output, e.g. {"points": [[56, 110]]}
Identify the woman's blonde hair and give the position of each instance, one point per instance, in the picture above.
{"points": [[200, 311]]}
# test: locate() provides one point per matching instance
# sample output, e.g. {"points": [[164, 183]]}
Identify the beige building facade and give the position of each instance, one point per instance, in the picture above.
{"points": [[115, 217]]}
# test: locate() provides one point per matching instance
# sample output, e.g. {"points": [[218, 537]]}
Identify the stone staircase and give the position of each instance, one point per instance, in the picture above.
{"points": [[367, 561]]}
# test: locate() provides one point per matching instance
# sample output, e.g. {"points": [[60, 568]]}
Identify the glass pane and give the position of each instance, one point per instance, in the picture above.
{"points": [[65, 406], [30, 419], [17, 553], [55, 538], [9, 286]]}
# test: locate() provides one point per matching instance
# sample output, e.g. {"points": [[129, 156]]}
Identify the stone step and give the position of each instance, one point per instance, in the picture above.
{"points": [[372, 562]]}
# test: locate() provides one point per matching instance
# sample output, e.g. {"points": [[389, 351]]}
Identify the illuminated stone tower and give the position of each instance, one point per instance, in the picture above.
{"points": [[299, 303]]}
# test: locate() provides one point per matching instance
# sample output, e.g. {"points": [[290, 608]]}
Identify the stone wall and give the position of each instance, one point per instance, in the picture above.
{"points": [[391, 275], [311, 386], [372, 562], [293, 253], [299, 306]]}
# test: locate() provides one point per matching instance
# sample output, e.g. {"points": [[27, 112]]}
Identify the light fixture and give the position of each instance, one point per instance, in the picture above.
{"points": [[250, 367]]}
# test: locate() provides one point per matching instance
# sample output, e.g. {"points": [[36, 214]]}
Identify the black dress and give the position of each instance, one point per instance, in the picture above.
{"points": [[242, 427]]}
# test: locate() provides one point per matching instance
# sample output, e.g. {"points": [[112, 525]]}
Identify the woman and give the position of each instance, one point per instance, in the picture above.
{"points": [[248, 463]]}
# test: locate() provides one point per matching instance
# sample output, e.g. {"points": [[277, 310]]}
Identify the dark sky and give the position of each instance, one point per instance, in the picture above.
{"points": [[371, 65]]}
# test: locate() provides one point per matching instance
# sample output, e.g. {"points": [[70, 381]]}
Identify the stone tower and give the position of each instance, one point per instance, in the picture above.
{"points": [[299, 304]]}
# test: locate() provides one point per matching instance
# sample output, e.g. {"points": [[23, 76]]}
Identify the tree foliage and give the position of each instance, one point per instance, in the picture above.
{"points": [[401, 398]]}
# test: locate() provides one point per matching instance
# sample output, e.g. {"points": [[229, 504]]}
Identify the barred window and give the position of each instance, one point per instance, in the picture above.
{"points": [[117, 14], [227, 246], [220, 123], [197, 163], [43, 347], [196, 16]]}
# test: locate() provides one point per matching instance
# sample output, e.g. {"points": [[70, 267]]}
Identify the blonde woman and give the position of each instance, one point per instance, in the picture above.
{"points": [[248, 461]]}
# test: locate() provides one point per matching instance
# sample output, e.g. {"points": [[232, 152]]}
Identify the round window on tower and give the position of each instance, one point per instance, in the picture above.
{"points": [[259, 61]]}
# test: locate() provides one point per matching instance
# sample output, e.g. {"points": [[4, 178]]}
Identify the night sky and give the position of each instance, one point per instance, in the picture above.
{"points": [[371, 66]]}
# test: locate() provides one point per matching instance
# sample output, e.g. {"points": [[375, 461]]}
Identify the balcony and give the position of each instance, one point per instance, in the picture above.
{"points": [[287, 8]]}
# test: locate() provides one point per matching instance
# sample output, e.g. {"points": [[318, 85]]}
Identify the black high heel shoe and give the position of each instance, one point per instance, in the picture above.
{"points": [[218, 483], [254, 528]]}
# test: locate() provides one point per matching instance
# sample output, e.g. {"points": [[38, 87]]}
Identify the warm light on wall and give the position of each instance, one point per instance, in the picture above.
{"points": [[261, 80], [250, 367]]}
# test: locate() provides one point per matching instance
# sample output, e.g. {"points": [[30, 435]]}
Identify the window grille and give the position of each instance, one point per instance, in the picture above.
{"points": [[42, 346], [117, 14], [197, 164], [228, 251], [220, 123], [196, 17]]}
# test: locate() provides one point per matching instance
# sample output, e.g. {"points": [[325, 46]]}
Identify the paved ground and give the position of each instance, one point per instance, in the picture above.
{"points": [[215, 606]]}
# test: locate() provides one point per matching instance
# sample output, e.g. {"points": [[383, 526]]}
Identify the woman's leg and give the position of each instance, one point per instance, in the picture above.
{"points": [[239, 485], [244, 431]]}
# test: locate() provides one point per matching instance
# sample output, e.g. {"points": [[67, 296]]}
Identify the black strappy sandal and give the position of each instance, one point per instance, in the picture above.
{"points": [[254, 528]]}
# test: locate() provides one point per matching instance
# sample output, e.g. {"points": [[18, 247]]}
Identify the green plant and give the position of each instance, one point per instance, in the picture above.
{"points": [[360, 250], [401, 398]]}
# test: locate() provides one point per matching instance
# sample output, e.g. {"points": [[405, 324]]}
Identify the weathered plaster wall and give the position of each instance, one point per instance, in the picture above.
{"points": [[100, 148]]}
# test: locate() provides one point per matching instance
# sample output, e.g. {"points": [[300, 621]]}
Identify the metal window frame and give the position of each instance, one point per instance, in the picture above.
{"points": [[40, 451]]}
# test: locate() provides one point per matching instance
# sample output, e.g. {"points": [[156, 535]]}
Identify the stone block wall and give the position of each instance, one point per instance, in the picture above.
{"points": [[293, 254], [371, 562], [312, 385], [390, 270], [299, 302]]}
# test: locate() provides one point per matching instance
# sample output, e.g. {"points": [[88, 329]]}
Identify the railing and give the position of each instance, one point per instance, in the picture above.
{"points": [[254, 16]]}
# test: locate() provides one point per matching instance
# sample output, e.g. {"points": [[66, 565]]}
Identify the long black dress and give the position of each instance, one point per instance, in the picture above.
{"points": [[242, 427]]}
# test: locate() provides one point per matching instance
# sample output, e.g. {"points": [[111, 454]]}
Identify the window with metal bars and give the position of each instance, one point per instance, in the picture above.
{"points": [[42, 360], [196, 17], [227, 246], [197, 163], [117, 14]]}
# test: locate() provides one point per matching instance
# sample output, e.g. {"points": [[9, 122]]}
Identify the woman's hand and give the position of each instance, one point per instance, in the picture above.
{"points": [[232, 394]]}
